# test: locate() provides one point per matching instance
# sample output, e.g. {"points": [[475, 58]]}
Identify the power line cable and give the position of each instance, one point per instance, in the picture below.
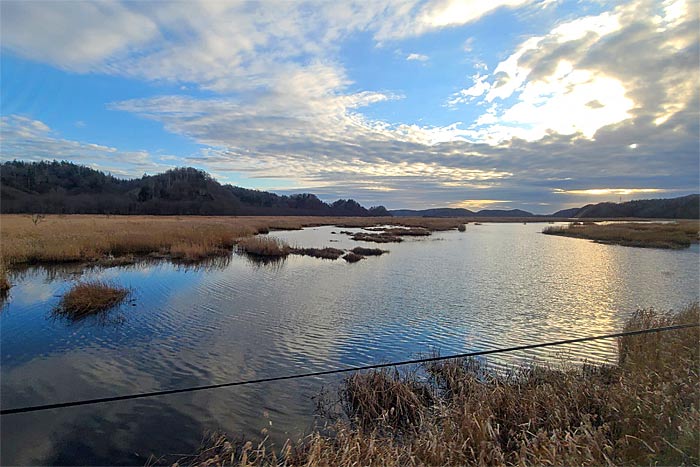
{"points": [[101, 400]]}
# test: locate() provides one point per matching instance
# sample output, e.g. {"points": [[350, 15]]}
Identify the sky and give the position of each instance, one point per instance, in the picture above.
{"points": [[531, 104]]}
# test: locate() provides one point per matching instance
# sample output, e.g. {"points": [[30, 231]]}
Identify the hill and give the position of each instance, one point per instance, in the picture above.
{"points": [[67, 188], [685, 207], [459, 212]]}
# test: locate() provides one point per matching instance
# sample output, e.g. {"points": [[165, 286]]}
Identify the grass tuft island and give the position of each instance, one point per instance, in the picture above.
{"points": [[674, 235], [91, 297]]}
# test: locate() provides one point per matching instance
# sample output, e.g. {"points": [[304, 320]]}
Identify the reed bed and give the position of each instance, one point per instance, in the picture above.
{"points": [[351, 257], [264, 246], [368, 251], [641, 411], [98, 238], [4, 281], [91, 297], [376, 238], [674, 235], [323, 253]]}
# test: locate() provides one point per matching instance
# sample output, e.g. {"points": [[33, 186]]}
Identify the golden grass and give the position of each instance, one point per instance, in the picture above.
{"points": [[264, 246], [324, 253], [642, 411], [4, 280], [110, 239], [90, 297], [674, 235]]}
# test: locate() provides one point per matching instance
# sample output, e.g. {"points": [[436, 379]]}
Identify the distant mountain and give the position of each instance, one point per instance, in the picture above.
{"points": [[460, 212], [438, 212], [503, 213], [685, 207], [66, 188], [566, 212]]}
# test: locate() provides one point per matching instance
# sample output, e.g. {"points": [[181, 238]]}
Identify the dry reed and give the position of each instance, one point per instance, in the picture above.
{"points": [[264, 246], [673, 235], [90, 297], [93, 238], [324, 253], [368, 251], [351, 257]]}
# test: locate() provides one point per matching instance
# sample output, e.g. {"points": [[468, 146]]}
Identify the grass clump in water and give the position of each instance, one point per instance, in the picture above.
{"points": [[90, 297], [674, 235], [324, 253], [376, 238], [351, 257], [641, 411], [368, 251], [264, 246]]}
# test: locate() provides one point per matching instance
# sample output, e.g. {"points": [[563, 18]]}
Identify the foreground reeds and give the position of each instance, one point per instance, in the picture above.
{"points": [[90, 297], [642, 411], [673, 235]]}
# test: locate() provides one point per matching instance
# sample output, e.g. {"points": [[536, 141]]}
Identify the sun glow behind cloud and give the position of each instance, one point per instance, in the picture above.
{"points": [[610, 191]]}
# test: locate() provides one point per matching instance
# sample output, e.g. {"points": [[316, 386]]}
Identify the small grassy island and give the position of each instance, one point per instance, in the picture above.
{"points": [[91, 297], [674, 235]]}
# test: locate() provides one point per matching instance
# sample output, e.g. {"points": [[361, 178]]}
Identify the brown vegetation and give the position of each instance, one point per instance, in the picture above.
{"points": [[324, 253], [368, 251], [674, 235], [120, 239], [4, 281], [264, 246], [376, 238], [642, 411], [90, 297], [351, 257]]}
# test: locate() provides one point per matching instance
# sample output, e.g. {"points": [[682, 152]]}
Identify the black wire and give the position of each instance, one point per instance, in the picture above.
{"points": [[60, 405]]}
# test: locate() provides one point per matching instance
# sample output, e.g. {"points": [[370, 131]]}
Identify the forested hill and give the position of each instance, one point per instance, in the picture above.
{"points": [[685, 207], [67, 188]]}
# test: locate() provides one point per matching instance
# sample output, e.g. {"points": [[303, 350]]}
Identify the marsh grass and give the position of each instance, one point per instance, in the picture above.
{"points": [[641, 411], [264, 246], [351, 257], [674, 235], [376, 238], [96, 238], [4, 280], [91, 297], [324, 253], [368, 251]]}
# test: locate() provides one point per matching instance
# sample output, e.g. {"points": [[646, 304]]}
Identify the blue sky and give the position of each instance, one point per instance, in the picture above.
{"points": [[538, 105]]}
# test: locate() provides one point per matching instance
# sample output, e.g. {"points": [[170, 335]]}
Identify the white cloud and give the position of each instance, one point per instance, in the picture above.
{"points": [[417, 57], [27, 139], [80, 36]]}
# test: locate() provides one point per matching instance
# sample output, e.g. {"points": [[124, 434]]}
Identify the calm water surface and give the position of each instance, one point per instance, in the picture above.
{"points": [[491, 286]]}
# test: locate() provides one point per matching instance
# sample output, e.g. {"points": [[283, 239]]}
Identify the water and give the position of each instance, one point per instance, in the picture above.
{"points": [[494, 285]]}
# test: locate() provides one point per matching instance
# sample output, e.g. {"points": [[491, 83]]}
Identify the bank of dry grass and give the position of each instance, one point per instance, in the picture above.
{"points": [[112, 239], [642, 411], [91, 297], [675, 235], [4, 281]]}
